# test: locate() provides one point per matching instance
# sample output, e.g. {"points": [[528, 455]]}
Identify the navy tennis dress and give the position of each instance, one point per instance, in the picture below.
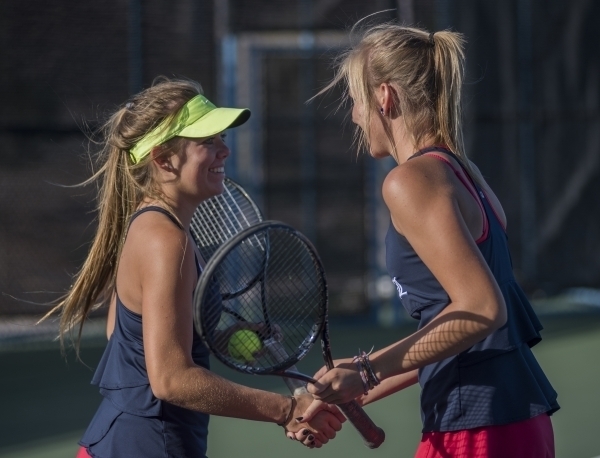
{"points": [[131, 421], [496, 381]]}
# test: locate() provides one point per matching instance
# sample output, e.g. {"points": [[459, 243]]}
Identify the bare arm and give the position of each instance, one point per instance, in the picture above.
{"points": [[164, 260], [389, 386], [425, 205]]}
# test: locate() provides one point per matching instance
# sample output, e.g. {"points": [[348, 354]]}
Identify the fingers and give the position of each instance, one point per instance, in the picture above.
{"points": [[331, 396], [320, 373], [317, 387], [337, 414], [315, 422], [312, 410], [327, 424], [309, 438], [338, 386], [317, 406], [299, 435], [323, 392]]}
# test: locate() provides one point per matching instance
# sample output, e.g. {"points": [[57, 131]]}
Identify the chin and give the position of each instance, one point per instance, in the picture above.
{"points": [[378, 154], [214, 191], [208, 192], [215, 184]]}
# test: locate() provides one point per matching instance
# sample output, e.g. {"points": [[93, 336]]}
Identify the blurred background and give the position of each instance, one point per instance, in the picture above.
{"points": [[532, 125]]}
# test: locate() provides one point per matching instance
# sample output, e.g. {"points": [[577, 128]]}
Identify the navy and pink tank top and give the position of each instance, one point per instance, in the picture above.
{"points": [[131, 421], [496, 381]]}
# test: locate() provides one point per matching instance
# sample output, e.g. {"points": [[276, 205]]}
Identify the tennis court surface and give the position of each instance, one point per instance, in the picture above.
{"points": [[47, 401]]}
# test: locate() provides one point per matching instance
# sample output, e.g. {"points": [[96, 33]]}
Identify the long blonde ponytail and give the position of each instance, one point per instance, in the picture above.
{"points": [[426, 70], [123, 186], [448, 73]]}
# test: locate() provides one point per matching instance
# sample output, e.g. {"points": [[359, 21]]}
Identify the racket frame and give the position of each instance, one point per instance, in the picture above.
{"points": [[203, 286]]}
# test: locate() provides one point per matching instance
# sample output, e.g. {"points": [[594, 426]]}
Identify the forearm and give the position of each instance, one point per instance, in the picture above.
{"points": [[450, 333], [389, 386], [196, 388]]}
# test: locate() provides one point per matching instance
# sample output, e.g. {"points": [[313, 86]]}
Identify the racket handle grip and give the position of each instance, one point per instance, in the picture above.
{"points": [[295, 386], [372, 434], [278, 352]]}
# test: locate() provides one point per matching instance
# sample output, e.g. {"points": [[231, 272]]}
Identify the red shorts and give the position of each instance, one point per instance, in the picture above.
{"points": [[83, 453], [531, 438]]}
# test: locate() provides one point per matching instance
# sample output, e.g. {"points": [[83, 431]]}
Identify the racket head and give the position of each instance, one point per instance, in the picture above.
{"points": [[286, 306], [221, 217]]}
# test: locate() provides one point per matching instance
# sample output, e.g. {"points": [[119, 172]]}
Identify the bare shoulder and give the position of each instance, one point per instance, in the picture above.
{"points": [[414, 177], [157, 243], [156, 231], [414, 185]]}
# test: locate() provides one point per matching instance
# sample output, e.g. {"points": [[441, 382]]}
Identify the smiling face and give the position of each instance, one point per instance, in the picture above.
{"points": [[202, 167]]}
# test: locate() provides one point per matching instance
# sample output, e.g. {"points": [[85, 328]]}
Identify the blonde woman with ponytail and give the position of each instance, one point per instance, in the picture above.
{"points": [[483, 394], [163, 154]]}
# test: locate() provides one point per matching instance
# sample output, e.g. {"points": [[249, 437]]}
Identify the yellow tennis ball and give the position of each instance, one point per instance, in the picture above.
{"points": [[243, 345]]}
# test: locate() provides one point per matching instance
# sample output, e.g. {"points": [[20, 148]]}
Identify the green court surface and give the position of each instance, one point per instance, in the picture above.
{"points": [[47, 401]]}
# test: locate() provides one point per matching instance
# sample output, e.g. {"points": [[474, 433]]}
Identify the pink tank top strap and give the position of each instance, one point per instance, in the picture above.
{"points": [[468, 183]]}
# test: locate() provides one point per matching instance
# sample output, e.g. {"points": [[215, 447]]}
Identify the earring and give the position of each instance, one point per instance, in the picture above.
{"points": [[381, 111]]}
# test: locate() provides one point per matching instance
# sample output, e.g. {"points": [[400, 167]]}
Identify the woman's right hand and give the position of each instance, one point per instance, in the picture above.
{"points": [[326, 420]]}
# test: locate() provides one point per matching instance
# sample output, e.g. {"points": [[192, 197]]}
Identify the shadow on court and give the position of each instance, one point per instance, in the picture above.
{"points": [[46, 398]]}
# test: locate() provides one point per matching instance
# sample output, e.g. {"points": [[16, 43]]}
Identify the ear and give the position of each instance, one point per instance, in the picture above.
{"points": [[162, 161], [386, 97]]}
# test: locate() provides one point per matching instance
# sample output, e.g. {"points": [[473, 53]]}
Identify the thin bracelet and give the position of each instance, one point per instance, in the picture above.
{"points": [[371, 374], [291, 412], [366, 373], [362, 376], [365, 370]]}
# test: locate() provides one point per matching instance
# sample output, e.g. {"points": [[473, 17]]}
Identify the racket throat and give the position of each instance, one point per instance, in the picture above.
{"points": [[295, 380]]}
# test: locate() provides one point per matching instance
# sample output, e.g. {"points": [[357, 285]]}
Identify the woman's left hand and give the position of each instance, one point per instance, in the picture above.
{"points": [[339, 385], [322, 426]]}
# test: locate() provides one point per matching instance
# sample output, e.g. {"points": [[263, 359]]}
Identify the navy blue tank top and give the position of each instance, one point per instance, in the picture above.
{"points": [[496, 381], [131, 421]]}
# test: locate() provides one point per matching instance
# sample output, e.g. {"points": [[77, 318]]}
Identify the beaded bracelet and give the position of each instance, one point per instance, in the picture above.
{"points": [[372, 377], [363, 376], [367, 374], [291, 412]]}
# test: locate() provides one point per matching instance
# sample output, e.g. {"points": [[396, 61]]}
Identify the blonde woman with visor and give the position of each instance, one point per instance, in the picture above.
{"points": [[163, 154], [483, 394]]}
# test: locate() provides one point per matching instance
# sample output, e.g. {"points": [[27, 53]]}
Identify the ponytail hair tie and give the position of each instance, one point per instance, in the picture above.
{"points": [[431, 40]]}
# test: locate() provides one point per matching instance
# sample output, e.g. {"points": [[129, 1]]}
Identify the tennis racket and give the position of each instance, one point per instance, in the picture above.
{"points": [[268, 282], [219, 218]]}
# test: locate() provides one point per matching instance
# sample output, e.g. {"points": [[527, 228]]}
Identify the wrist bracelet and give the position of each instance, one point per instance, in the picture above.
{"points": [[362, 376], [372, 377], [290, 413], [365, 370]]}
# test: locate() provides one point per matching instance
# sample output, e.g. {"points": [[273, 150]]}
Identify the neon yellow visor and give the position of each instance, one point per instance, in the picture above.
{"points": [[198, 118]]}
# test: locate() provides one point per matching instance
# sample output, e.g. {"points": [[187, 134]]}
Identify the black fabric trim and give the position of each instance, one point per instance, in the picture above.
{"points": [[156, 208]]}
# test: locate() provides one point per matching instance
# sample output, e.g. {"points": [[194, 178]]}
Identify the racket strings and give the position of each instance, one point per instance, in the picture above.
{"points": [[216, 220], [219, 218], [270, 284]]}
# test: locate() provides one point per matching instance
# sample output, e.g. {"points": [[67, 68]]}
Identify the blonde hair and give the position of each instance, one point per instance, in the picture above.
{"points": [[426, 72], [122, 187]]}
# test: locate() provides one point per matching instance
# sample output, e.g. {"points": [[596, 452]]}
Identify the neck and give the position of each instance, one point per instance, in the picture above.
{"points": [[182, 209], [405, 147]]}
